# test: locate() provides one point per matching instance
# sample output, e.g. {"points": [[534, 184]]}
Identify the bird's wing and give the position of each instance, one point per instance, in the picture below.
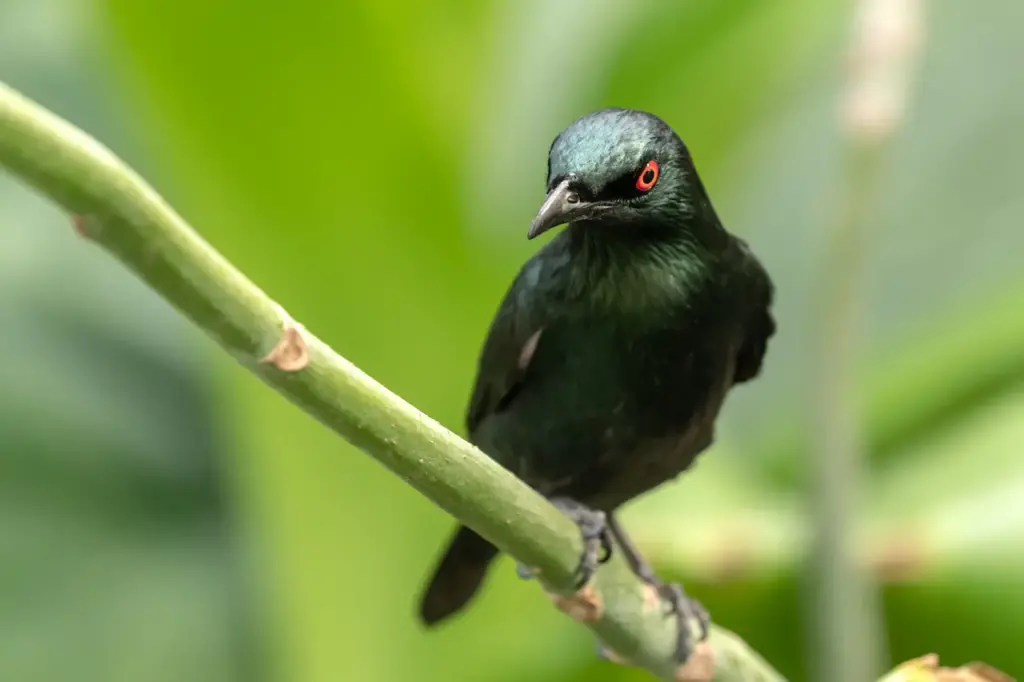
{"points": [[511, 342], [760, 325], [755, 343]]}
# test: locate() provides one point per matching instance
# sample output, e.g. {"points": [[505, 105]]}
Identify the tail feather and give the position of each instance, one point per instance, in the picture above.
{"points": [[457, 577]]}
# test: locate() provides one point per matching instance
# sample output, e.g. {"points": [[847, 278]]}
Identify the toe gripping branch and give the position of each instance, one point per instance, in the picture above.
{"points": [[585, 605], [598, 531], [687, 611]]}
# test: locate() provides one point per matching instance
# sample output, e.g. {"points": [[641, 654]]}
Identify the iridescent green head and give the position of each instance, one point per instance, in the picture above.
{"points": [[618, 166]]}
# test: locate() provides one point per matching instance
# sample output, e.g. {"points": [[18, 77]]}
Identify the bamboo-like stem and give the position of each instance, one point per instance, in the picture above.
{"points": [[848, 626], [115, 208]]}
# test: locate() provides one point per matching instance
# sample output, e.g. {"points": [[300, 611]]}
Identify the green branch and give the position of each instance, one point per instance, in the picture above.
{"points": [[112, 206]]}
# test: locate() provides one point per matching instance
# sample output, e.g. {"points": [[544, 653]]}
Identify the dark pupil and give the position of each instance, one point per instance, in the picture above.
{"points": [[648, 176]]}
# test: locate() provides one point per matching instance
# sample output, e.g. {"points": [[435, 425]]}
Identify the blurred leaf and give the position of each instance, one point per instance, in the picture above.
{"points": [[946, 234], [120, 561], [945, 534], [942, 374], [948, 531]]}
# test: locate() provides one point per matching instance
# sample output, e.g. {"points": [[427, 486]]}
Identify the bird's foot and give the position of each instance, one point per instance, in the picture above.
{"points": [[597, 546], [687, 611]]}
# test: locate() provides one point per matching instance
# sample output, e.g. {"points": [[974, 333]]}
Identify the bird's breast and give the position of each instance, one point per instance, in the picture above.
{"points": [[667, 413]]}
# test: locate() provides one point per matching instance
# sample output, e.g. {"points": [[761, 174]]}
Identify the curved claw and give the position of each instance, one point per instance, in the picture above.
{"points": [[606, 547], [686, 611], [593, 527]]}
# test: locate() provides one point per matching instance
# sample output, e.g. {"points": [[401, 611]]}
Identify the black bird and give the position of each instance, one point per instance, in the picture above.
{"points": [[610, 356]]}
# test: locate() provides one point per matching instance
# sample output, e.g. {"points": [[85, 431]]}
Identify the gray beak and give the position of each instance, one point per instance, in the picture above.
{"points": [[562, 206]]}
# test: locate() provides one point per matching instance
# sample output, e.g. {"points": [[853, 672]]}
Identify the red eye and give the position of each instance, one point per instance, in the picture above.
{"points": [[648, 176]]}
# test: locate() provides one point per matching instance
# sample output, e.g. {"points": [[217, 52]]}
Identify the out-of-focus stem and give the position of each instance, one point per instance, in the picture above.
{"points": [[847, 625]]}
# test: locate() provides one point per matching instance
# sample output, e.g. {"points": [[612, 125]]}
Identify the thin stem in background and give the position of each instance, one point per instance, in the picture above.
{"points": [[849, 632]]}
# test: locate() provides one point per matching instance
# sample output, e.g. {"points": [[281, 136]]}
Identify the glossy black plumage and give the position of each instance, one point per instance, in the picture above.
{"points": [[612, 352]]}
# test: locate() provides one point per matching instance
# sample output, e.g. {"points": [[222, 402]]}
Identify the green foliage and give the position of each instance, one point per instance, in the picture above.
{"points": [[375, 168], [120, 555]]}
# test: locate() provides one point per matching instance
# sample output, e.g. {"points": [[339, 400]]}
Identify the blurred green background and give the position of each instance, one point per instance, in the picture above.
{"points": [[374, 165]]}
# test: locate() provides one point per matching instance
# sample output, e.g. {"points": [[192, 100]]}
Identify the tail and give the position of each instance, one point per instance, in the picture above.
{"points": [[457, 577]]}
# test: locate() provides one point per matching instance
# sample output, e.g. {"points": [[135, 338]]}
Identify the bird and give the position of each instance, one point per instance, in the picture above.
{"points": [[611, 354]]}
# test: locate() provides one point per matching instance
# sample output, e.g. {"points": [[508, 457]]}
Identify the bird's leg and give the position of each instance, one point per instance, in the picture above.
{"points": [[597, 547], [593, 525], [637, 563], [685, 608]]}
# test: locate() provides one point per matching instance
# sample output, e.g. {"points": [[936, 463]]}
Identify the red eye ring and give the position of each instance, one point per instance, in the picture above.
{"points": [[648, 176]]}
